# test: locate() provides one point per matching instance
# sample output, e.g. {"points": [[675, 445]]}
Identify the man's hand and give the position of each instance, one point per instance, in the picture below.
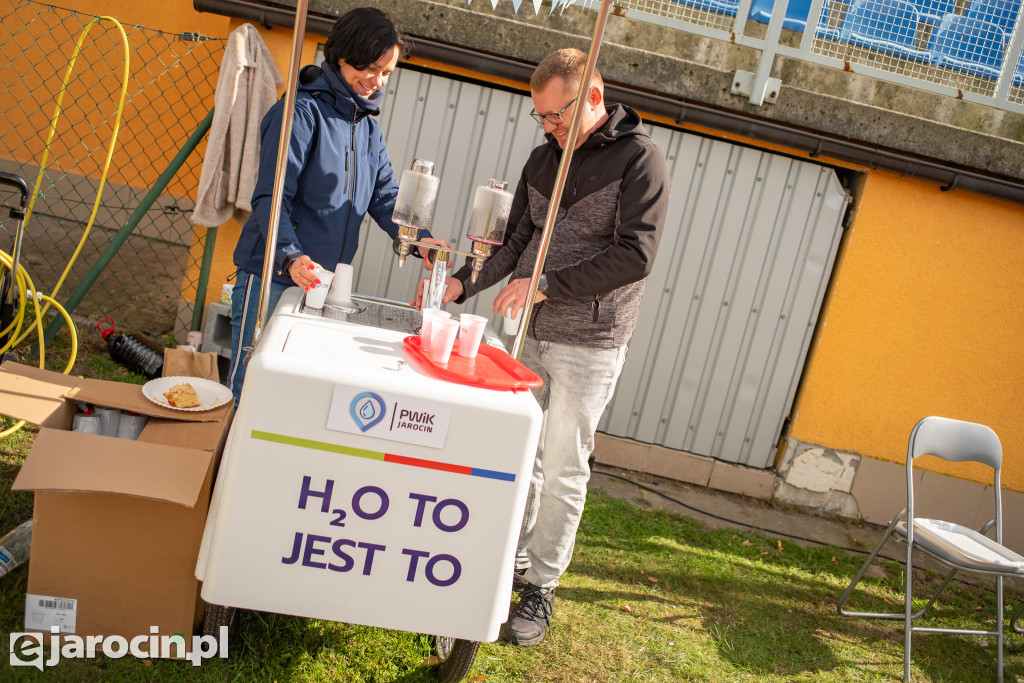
{"points": [[425, 251], [512, 297], [302, 272], [452, 291]]}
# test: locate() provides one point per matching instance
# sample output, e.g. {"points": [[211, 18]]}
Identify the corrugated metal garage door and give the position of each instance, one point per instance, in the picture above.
{"points": [[732, 303]]}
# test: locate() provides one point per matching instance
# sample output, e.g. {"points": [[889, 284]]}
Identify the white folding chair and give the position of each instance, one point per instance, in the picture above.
{"points": [[956, 546]]}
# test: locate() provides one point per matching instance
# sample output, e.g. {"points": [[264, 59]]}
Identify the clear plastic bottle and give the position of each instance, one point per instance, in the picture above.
{"points": [[15, 547]]}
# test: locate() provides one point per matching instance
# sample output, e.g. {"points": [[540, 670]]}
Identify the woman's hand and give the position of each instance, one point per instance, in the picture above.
{"points": [[302, 271]]}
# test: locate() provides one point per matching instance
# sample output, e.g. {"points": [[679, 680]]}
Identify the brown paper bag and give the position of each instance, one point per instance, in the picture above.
{"points": [[179, 362]]}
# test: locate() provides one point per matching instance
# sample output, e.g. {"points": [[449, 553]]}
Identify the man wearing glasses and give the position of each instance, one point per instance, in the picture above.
{"points": [[602, 248]]}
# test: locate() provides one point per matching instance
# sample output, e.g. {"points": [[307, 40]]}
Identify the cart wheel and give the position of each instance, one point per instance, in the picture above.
{"points": [[216, 616], [456, 657]]}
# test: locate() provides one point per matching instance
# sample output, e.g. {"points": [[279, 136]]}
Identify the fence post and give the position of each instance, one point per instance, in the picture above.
{"points": [[122, 235], [204, 278]]}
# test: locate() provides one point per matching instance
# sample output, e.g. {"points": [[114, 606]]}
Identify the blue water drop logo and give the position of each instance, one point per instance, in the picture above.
{"points": [[367, 409]]}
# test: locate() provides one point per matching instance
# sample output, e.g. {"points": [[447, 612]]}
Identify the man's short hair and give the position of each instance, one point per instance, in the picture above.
{"points": [[567, 64], [362, 36]]}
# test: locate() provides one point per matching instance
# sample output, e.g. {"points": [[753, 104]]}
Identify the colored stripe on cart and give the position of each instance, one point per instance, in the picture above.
{"points": [[386, 457]]}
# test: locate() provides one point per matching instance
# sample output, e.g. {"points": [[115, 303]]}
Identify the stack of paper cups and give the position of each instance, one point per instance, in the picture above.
{"points": [[341, 288]]}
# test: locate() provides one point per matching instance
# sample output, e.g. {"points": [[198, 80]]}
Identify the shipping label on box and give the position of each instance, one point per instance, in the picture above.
{"points": [[42, 612]]}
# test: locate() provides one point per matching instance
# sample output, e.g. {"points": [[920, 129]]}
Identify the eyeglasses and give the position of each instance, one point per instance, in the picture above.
{"points": [[554, 119]]}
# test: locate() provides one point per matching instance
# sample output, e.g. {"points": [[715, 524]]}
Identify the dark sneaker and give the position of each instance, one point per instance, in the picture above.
{"points": [[519, 583], [529, 622]]}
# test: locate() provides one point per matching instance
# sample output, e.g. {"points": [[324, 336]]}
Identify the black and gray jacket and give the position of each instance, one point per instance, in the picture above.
{"points": [[605, 236]]}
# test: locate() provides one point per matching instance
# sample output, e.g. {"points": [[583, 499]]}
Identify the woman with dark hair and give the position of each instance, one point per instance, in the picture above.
{"points": [[338, 170]]}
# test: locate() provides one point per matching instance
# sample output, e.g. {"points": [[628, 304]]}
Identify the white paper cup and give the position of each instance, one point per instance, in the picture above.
{"points": [[429, 316], [442, 339], [341, 288], [315, 297], [511, 323], [471, 331]]}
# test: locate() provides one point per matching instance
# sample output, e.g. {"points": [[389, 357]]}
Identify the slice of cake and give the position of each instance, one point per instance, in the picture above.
{"points": [[182, 396]]}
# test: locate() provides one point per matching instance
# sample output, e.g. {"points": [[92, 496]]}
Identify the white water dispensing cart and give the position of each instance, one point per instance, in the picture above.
{"points": [[364, 482], [359, 484]]}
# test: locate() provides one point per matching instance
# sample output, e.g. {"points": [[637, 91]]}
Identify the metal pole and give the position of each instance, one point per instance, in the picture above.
{"points": [[282, 164], [563, 172], [204, 278]]}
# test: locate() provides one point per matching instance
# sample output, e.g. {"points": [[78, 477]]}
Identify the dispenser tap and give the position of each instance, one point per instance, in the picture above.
{"points": [[406, 235]]}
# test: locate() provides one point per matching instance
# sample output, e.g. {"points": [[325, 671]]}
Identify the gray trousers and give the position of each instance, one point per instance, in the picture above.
{"points": [[578, 384]]}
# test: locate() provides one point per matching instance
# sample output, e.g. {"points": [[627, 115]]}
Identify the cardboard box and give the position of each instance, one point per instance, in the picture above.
{"points": [[118, 523]]}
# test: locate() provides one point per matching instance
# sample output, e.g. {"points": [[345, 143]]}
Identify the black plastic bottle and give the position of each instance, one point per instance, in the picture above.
{"points": [[134, 352]]}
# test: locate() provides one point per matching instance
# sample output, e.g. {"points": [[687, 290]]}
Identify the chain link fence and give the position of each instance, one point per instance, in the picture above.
{"points": [[140, 261]]}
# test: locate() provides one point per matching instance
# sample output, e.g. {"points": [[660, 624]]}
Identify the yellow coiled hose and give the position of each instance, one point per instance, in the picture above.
{"points": [[21, 277]]}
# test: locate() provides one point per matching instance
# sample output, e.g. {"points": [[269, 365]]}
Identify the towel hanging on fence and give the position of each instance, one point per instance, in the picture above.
{"points": [[246, 89]]}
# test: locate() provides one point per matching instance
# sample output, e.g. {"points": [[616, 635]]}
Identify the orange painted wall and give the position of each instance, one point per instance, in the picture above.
{"points": [[926, 317], [92, 87], [174, 16]]}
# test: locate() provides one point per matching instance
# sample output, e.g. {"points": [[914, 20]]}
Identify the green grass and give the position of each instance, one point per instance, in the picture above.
{"points": [[651, 596]]}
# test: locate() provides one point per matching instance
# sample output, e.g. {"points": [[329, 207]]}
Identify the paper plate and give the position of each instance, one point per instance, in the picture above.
{"points": [[211, 394]]}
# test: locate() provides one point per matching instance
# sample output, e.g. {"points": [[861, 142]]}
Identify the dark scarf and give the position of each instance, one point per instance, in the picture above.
{"points": [[364, 105]]}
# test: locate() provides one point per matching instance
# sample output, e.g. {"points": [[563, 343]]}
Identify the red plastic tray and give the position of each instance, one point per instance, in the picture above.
{"points": [[491, 369]]}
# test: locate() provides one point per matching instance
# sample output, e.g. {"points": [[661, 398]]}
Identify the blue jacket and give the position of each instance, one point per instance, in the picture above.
{"points": [[338, 170]]}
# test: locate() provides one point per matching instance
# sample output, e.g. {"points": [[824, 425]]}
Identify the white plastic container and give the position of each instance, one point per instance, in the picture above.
{"points": [[131, 425], [417, 195], [87, 421], [491, 207], [110, 420]]}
